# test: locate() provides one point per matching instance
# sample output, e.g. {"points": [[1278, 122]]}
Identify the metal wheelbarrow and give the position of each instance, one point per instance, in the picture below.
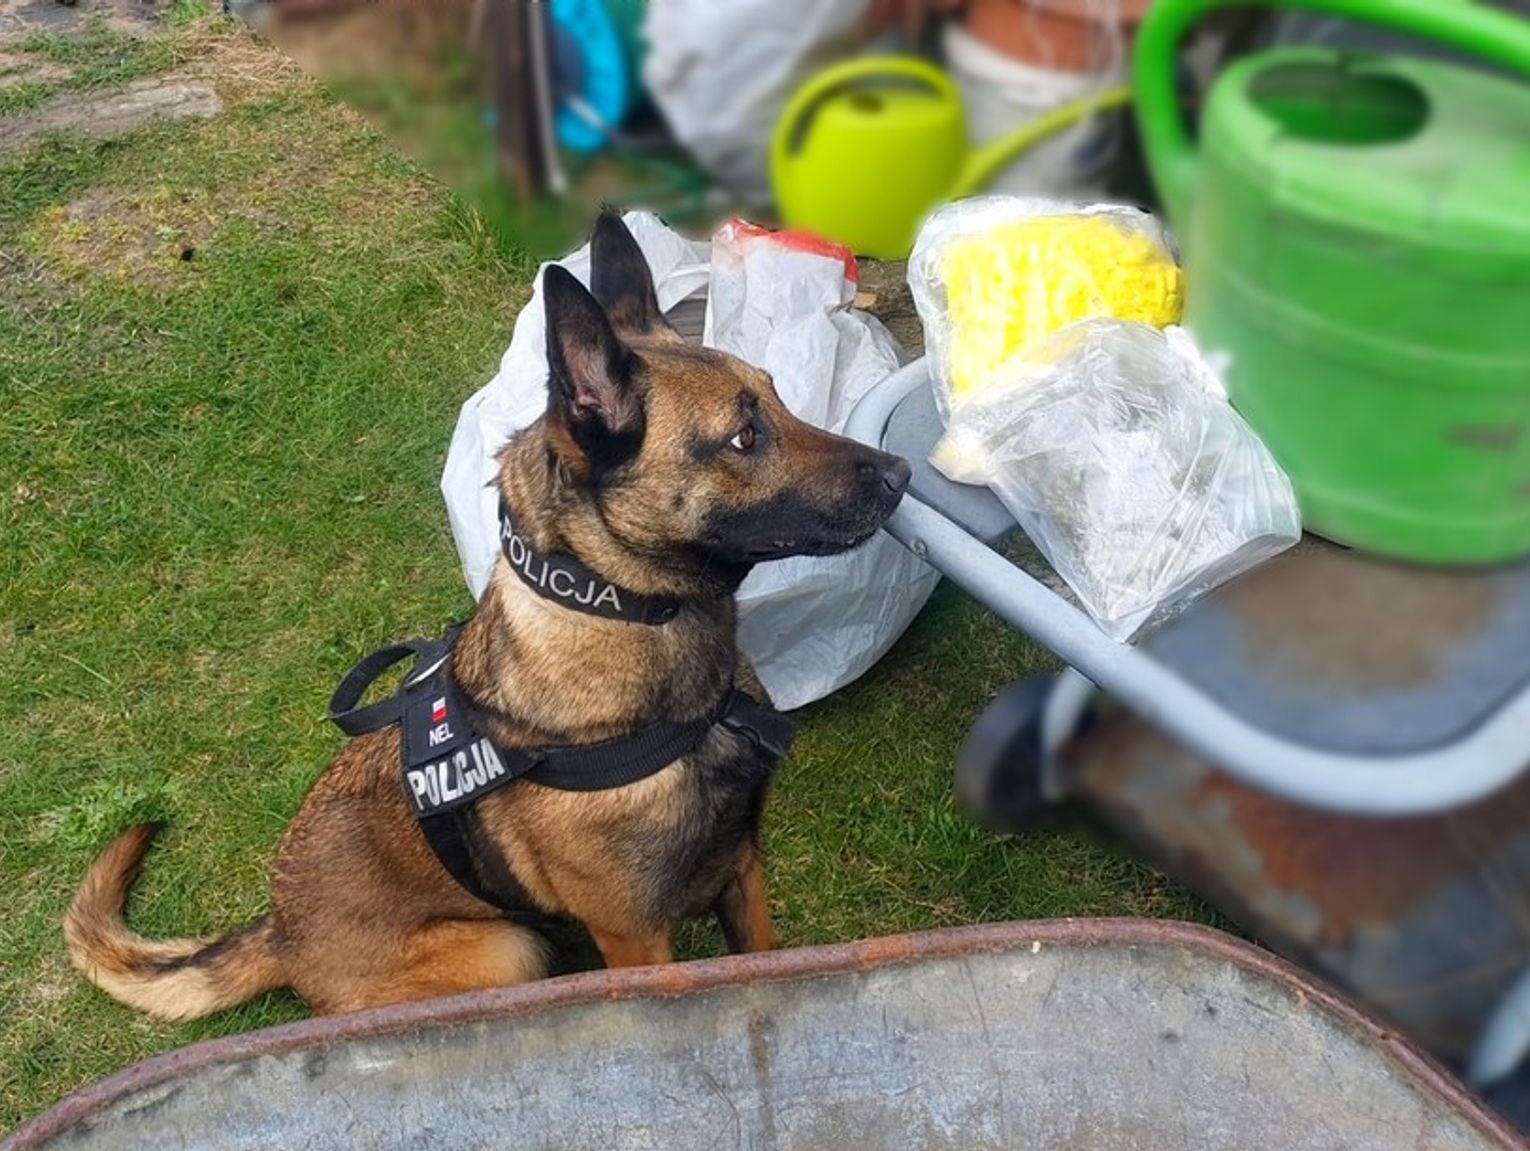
{"points": [[1330, 748], [1098, 1034]]}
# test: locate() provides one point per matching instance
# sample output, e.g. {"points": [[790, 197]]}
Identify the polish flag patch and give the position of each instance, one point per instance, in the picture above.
{"points": [[438, 711]]}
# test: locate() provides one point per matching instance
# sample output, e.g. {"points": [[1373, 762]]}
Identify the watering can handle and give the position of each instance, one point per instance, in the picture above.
{"points": [[1494, 36], [797, 116]]}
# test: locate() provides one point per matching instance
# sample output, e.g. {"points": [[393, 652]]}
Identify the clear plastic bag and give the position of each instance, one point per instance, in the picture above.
{"points": [[1114, 446], [992, 276]]}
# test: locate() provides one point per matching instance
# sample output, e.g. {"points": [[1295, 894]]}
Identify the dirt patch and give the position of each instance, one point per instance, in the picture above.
{"points": [[145, 237], [115, 112], [311, 174], [401, 44], [20, 18], [894, 304], [20, 68], [49, 74], [242, 68], [134, 17]]}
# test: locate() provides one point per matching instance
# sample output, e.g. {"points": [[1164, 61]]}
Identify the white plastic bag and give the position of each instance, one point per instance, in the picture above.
{"points": [[517, 395], [1001, 94], [721, 71], [994, 275], [1114, 446], [809, 624]]}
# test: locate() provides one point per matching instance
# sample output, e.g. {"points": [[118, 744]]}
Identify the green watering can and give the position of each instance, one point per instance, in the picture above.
{"points": [[1356, 231], [867, 148]]}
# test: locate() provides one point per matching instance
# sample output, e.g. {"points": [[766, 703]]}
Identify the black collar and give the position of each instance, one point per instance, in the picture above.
{"points": [[563, 579]]}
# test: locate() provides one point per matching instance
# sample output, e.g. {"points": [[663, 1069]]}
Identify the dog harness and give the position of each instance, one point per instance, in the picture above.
{"points": [[447, 764]]}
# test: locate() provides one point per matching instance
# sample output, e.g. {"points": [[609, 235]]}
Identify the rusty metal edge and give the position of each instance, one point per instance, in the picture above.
{"points": [[705, 975]]}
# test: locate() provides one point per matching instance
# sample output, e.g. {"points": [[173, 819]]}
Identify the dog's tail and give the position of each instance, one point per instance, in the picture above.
{"points": [[171, 978]]}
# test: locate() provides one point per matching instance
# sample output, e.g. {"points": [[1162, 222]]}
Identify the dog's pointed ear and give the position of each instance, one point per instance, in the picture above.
{"points": [[621, 280], [590, 386]]}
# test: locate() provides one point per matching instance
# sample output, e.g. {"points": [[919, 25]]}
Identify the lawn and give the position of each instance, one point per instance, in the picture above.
{"points": [[231, 355]]}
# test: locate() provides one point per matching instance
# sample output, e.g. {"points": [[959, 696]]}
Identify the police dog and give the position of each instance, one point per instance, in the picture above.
{"points": [[669, 470]]}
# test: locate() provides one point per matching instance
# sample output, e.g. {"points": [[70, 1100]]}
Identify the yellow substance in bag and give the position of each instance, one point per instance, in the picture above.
{"points": [[1010, 286]]}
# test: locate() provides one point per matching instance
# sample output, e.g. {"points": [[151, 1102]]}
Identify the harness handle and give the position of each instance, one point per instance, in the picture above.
{"points": [[353, 720]]}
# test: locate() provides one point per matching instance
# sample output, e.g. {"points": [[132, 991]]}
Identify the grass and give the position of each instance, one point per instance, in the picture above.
{"points": [[220, 488], [99, 56], [438, 117]]}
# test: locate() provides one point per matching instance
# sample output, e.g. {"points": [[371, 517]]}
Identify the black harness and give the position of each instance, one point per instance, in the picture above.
{"points": [[447, 764]]}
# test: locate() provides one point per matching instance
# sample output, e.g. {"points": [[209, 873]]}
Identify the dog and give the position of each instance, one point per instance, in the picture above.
{"points": [[665, 470]]}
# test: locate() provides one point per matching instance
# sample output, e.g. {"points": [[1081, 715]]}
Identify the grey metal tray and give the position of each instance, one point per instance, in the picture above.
{"points": [[1326, 676], [1086, 1033]]}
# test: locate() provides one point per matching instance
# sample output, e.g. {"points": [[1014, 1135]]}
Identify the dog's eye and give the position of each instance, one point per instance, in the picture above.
{"points": [[744, 441]]}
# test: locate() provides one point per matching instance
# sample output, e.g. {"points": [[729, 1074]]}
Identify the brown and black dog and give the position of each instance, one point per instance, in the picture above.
{"points": [[668, 470]]}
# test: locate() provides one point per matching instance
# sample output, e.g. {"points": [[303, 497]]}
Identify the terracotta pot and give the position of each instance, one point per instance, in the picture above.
{"points": [[1063, 35]]}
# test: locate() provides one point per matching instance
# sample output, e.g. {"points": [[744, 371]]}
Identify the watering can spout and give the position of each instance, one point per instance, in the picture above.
{"points": [[984, 163]]}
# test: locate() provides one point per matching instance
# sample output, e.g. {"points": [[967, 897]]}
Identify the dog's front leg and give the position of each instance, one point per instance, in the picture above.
{"points": [[633, 950], [742, 909]]}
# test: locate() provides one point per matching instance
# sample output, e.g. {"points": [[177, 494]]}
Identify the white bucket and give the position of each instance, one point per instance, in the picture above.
{"points": [[1002, 94]]}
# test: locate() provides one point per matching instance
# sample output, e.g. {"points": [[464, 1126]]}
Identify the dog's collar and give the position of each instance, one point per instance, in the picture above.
{"points": [[563, 579]]}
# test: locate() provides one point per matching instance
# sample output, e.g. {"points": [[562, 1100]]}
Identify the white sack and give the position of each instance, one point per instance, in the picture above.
{"points": [[721, 71], [810, 624]]}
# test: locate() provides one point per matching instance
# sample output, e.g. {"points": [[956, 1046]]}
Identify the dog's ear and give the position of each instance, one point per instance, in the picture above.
{"points": [[590, 389], [621, 280]]}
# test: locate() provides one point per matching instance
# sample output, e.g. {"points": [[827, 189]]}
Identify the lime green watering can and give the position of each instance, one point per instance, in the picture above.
{"points": [[867, 148], [1356, 231]]}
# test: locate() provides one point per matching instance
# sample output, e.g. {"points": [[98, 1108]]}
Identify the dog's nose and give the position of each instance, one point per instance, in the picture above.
{"points": [[895, 476], [890, 472]]}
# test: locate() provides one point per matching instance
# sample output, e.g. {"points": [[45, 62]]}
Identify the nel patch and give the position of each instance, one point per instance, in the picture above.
{"points": [[447, 764]]}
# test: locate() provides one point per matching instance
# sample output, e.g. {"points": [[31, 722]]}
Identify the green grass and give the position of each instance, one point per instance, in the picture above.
{"points": [[95, 57], [24, 96], [220, 486], [439, 119]]}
